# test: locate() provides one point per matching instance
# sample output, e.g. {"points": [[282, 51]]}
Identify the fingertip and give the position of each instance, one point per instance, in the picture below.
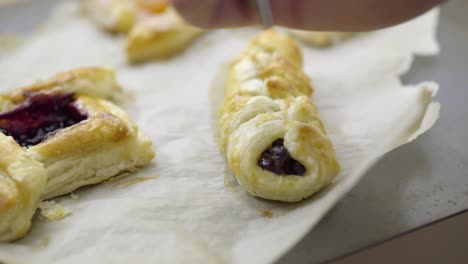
{"points": [[192, 12]]}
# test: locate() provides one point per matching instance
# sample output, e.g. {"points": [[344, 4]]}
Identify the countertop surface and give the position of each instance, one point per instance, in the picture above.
{"points": [[416, 184]]}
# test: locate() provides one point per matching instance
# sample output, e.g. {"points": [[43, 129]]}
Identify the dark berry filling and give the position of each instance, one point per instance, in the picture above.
{"points": [[39, 115], [278, 160]]}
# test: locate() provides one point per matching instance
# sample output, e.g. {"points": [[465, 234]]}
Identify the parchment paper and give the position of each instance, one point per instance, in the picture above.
{"points": [[191, 210]]}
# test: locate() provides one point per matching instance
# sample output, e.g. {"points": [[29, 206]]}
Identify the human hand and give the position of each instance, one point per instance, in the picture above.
{"points": [[320, 15]]}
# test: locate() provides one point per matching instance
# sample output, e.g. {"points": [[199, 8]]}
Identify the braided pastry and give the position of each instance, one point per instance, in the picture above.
{"points": [[271, 133]]}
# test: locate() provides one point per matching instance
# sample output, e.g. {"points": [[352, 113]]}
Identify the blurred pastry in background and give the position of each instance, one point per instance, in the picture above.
{"points": [[159, 37], [115, 16], [154, 29]]}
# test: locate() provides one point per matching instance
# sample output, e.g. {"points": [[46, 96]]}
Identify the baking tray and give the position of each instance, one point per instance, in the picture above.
{"points": [[418, 183]]}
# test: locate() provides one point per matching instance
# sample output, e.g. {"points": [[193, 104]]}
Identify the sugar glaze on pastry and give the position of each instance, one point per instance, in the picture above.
{"points": [[59, 135], [273, 138]]}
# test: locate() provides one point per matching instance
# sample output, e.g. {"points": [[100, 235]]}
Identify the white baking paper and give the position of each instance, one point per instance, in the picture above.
{"points": [[189, 210]]}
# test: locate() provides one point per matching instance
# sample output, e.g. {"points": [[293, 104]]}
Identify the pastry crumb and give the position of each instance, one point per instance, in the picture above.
{"points": [[10, 41], [74, 196], [230, 182], [52, 211], [42, 243], [266, 213]]}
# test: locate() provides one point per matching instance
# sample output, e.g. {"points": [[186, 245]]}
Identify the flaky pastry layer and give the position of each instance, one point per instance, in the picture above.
{"points": [[104, 145], [22, 181]]}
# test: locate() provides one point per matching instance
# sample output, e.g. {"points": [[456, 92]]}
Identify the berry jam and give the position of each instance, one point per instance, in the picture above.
{"points": [[278, 160], [38, 116]]}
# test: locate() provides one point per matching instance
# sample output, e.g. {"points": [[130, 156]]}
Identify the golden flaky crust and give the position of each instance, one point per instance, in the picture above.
{"points": [[22, 181], [97, 82], [103, 145], [92, 151], [268, 98]]}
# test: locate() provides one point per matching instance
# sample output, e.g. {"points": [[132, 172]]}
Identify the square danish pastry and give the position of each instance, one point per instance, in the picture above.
{"points": [[62, 134]]}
